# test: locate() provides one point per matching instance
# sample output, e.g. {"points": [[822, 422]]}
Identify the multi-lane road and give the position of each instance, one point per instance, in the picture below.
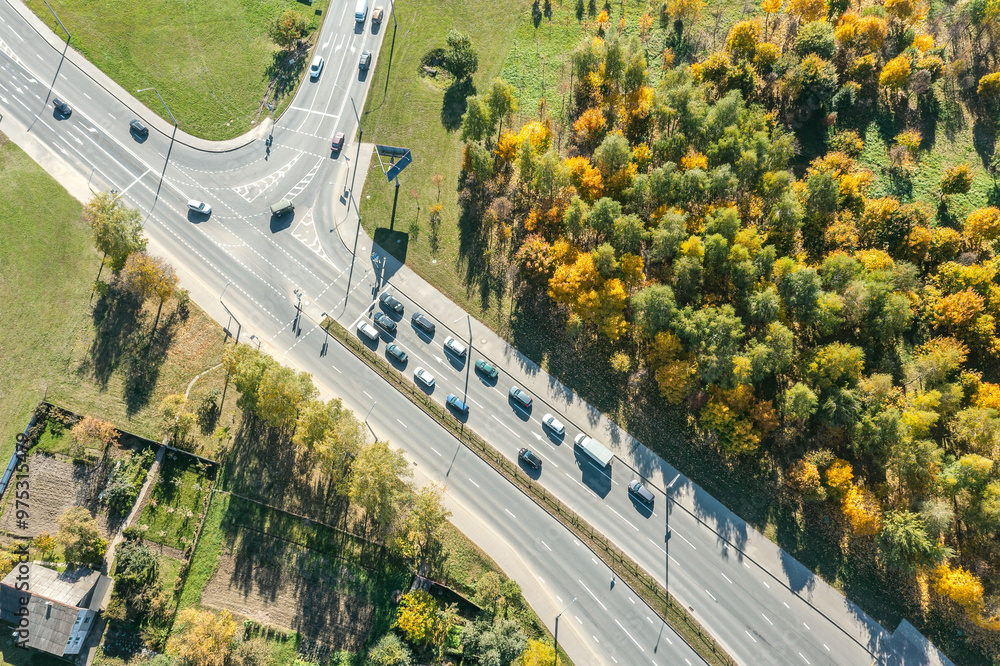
{"points": [[279, 275]]}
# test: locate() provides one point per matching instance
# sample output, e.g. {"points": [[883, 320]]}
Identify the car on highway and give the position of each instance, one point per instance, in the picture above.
{"points": [[390, 302], [382, 319], [425, 377], [367, 330], [377, 15], [553, 424], [366, 59], [62, 108], [423, 323], [454, 346], [520, 396], [199, 207], [138, 129], [456, 403], [488, 370], [316, 67], [530, 458], [396, 352], [338, 142], [640, 492]]}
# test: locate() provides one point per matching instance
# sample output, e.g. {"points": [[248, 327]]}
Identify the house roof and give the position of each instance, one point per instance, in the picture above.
{"points": [[54, 602]]}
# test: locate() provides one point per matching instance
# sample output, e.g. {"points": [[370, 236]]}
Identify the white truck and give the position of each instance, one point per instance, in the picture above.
{"points": [[599, 453]]}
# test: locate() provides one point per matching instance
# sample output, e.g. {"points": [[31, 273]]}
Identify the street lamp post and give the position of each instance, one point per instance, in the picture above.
{"points": [[555, 634], [326, 331], [240, 326], [65, 48], [256, 339], [172, 137]]}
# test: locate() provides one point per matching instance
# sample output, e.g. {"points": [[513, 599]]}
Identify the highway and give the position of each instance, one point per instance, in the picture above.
{"points": [[274, 278]]}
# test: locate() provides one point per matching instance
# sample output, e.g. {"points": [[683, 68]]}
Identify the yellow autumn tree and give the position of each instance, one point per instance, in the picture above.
{"points": [[862, 510], [895, 74], [203, 638], [417, 617], [959, 585], [989, 85], [743, 38], [982, 226], [674, 369], [538, 653], [839, 475], [808, 10]]}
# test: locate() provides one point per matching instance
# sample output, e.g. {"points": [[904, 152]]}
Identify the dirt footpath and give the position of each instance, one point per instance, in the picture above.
{"points": [[56, 484]]}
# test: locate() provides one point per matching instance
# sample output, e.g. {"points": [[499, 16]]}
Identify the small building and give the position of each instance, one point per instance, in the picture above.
{"points": [[61, 608]]}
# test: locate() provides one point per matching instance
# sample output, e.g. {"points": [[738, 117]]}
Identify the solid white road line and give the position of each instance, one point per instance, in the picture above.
{"points": [[505, 426], [591, 594], [629, 635]]}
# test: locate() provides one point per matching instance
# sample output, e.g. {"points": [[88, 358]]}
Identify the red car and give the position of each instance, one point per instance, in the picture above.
{"points": [[338, 142]]}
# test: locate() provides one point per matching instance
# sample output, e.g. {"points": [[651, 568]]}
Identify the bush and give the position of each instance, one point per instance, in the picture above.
{"points": [[816, 37]]}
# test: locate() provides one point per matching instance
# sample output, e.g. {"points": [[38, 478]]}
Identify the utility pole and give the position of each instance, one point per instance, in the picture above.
{"points": [[555, 634]]}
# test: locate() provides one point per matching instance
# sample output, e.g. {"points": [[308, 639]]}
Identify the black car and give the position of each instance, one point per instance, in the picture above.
{"points": [[62, 108], [391, 303], [138, 129], [530, 458], [396, 352], [423, 323], [382, 319]]}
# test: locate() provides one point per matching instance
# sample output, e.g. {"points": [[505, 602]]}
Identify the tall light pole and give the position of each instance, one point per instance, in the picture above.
{"points": [[468, 318], [65, 48], [172, 137], [230, 313], [555, 634]]}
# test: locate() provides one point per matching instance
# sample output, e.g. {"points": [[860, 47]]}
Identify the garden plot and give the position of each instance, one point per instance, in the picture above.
{"points": [[281, 584], [56, 484], [174, 508]]}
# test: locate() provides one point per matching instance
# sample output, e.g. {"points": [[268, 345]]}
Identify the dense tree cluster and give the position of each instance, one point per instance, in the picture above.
{"points": [[848, 334]]}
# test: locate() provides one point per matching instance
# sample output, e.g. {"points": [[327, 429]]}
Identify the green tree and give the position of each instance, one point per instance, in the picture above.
{"points": [[136, 576], [713, 334], [117, 230], [800, 402], [629, 232], [80, 538], [287, 29], [550, 174], [280, 394], [376, 483], [427, 520], [606, 261], [771, 354], [502, 103], [496, 643], [246, 365], [602, 216], [575, 217], [613, 155], [800, 289], [478, 121], [905, 544], [461, 59], [390, 651], [816, 37], [654, 308]]}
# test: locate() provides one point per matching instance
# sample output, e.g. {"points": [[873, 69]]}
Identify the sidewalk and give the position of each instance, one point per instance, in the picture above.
{"points": [[905, 646]]}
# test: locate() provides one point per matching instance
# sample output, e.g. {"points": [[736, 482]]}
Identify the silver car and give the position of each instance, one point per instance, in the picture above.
{"points": [[424, 376], [553, 424], [454, 346], [199, 207], [316, 67]]}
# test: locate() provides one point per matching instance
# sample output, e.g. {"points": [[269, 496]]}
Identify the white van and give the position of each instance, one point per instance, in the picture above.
{"points": [[361, 11]]}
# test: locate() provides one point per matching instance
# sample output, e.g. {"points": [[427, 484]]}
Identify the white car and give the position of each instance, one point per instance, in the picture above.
{"points": [[368, 331], [454, 346], [316, 67], [199, 207], [553, 424], [424, 376]]}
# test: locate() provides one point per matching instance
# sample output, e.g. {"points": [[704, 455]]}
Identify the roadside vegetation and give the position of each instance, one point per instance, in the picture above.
{"points": [[216, 64], [775, 237]]}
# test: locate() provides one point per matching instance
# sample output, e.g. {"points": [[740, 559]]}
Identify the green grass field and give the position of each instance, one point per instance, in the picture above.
{"points": [[176, 502], [212, 62], [41, 310]]}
